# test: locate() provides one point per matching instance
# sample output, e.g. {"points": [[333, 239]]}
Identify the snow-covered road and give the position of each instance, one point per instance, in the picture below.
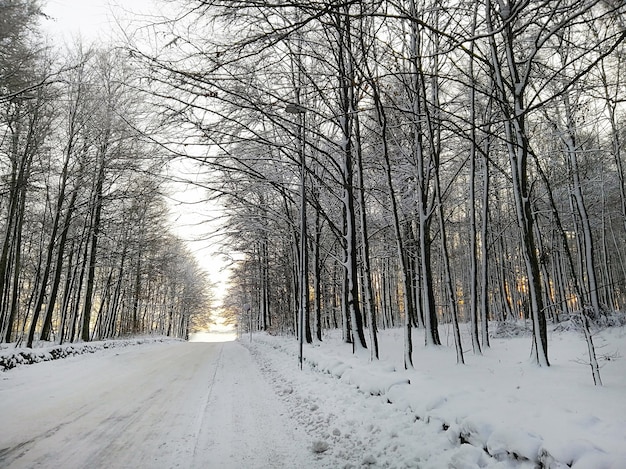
{"points": [[164, 405]]}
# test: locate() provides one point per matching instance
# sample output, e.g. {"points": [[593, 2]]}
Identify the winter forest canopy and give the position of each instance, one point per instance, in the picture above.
{"points": [[379, 164], [85, 248]]}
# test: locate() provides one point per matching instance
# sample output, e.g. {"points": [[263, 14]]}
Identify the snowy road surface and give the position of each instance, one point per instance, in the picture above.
{"points": [[171, 405]]}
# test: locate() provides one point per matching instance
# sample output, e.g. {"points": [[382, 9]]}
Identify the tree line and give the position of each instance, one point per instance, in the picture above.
{"points": [[86, 251], [408, 163]]}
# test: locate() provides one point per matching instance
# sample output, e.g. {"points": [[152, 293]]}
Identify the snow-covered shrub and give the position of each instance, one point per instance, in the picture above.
{"points": [[508, 329], [10, 358], [602, 320]]}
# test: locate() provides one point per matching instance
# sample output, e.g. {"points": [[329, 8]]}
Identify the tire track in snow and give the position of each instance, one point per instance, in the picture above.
{"points": [[200, 418]]}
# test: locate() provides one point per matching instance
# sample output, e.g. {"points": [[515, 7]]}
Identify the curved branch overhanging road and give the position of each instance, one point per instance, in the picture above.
{"points": [[169, 405]]}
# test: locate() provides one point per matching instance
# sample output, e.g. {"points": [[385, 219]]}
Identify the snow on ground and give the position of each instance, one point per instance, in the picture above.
{"points": [[497, 411], [232, 405], [153, 406]]}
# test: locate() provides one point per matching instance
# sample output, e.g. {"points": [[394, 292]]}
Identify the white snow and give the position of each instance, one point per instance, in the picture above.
{"points": [[247, 405], [160, 405], [497, 411]]}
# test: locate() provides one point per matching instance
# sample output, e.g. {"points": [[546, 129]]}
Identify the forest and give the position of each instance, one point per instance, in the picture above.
{"points": [[378, 164], [86, 252]]}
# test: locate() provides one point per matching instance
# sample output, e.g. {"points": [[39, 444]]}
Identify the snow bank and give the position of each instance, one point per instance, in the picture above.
{"points": [[12, 357], [499, 410]]}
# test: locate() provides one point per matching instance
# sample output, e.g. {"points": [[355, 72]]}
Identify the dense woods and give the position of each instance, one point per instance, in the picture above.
{"points": [[85, 248], [408, 163]]}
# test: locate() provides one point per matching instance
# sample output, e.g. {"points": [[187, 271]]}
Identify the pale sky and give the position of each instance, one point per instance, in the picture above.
{"points": [[91, 19]]}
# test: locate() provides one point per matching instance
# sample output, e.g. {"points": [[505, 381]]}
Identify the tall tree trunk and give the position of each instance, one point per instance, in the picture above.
{"points": [[370, 307], [424, 166], [400, 251], [473, 255], [346, 100], [578, 291], [513, 107], [571, 150], [484, 241], [10, 253], [317, 273], [93, 247], [449, 286]]}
